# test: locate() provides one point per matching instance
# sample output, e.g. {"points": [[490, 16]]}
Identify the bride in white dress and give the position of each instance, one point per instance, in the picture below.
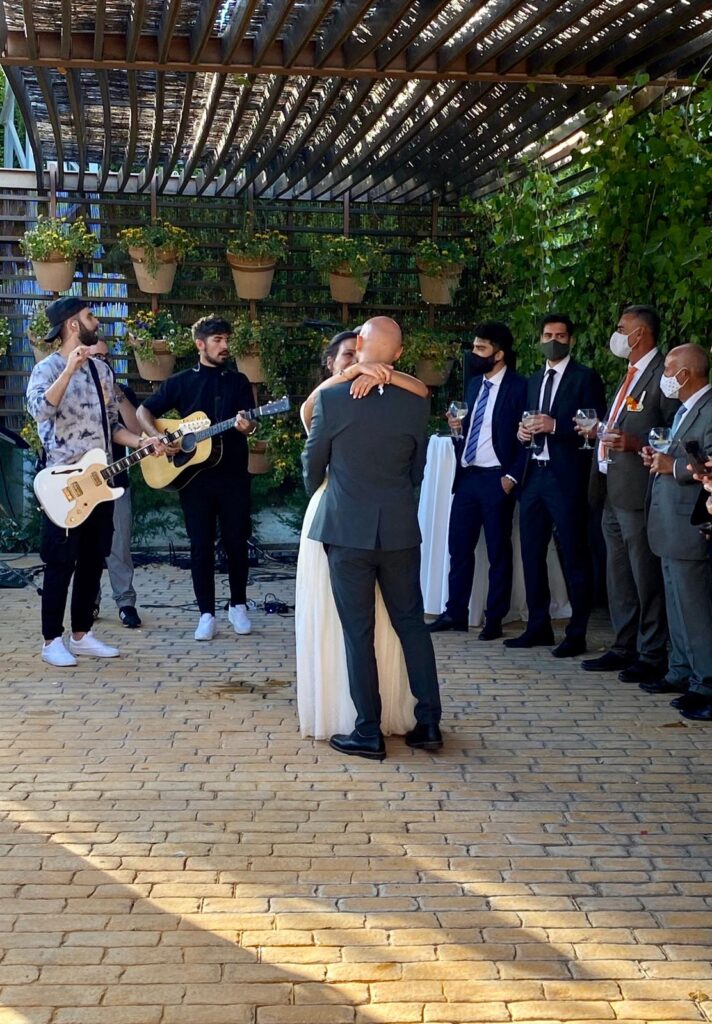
{"points": [[323, 699]]}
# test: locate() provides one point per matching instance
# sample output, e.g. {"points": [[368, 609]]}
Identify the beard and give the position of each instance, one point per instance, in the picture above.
{"points": [[87, 337], [216, 361]]}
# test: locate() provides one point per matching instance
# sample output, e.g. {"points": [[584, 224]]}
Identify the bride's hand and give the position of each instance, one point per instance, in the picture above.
{"points": [[362, 385], [382, 372]]}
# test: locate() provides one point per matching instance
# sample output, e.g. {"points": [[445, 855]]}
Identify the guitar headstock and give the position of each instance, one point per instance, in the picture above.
{"points": [[191, 426], [274, 408]]}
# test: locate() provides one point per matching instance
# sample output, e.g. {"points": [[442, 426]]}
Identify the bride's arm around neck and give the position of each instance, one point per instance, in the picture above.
{"points": [[400, 380]]}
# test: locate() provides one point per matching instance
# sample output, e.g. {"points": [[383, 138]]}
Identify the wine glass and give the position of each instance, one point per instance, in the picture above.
{"points": [[587, 420], [527, 416], [458, 410], [660, 439], [601, 431]]}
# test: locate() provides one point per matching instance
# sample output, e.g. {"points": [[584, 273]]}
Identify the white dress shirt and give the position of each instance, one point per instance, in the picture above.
{"points": [[485, 456], [639, 367], [558, 368]]}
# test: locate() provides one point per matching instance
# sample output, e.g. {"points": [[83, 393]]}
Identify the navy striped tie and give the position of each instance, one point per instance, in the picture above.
{"points": [[477, 421]]}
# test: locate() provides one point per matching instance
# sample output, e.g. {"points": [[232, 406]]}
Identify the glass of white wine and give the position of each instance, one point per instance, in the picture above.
{"points": [[660, 439], [587, 420], [458, 411], [527, 417]]}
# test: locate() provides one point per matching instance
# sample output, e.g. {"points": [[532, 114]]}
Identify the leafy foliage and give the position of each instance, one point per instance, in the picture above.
{"points": [[443, 258], [264, 337], [351, 255], [427, 343], [258, 245], [5, 335], [147, 326], [39, 325], [53, 236], [160, 242]]}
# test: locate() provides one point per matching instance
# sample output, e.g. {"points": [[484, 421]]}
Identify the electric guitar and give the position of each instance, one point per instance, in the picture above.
{"points": [[197, 448], [69, 494]]}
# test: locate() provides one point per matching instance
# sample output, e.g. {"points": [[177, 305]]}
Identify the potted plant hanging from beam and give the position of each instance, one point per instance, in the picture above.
{"points": [[428, 353], [440, 264], [5, 335], [156, 340], [256, 346], [155, 251], [38, 328], [54, 245], [252, 257], [349, 263]]}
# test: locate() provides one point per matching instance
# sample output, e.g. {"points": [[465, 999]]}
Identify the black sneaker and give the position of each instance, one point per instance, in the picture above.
{"points": [[129, 617]]}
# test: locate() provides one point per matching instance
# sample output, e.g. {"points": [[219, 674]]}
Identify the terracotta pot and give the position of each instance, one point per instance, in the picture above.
{"points": [[158, 368], [426, 371], [439, 291], [55, 274], [345, 287], [259, 460], [251, 366], [253, 278], [160, 282]]}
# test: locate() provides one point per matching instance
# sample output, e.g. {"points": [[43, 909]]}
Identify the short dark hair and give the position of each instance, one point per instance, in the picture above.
{"points": [[558, 318], [496, 332], [332, 349], [647, 315], [208, 325]]}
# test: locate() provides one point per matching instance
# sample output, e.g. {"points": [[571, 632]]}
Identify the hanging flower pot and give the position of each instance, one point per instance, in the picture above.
{"points": [[55, 273], [251, 365], [155, 275], [252, 277], [36, 333], [438, 291], [433, 374], [158, 365], [347, 288], [259, 460]]}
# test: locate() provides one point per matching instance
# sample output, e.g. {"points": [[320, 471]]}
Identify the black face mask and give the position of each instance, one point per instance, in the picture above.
{"points": [[554, 350], [481, 364]]}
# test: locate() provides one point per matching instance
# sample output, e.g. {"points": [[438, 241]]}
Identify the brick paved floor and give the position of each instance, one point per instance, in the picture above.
{"points": [[172, 852]]}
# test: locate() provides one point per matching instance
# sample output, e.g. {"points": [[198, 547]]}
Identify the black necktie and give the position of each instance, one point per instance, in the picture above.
{"points": [[548, 388]]}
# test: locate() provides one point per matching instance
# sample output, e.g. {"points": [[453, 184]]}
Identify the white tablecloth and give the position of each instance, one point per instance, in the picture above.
{"points": [[434, 517]]}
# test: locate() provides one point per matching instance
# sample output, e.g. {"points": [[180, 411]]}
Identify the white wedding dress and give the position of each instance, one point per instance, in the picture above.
{"points": [[323, 699]]}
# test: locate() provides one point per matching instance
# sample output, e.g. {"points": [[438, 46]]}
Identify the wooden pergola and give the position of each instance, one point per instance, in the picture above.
{"points": [[383, 100]]}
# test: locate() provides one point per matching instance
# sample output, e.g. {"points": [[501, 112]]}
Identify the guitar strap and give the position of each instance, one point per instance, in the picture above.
{"points": [[102, 404]]}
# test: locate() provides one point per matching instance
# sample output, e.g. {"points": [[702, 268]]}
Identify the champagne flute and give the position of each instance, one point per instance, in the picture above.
{"points": [[458, 410], [587, 419], [601, 432], [527, 416], [660, 439]]}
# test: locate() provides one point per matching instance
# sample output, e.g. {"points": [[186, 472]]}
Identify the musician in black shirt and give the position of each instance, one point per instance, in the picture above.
{"points": [[220, 492]]}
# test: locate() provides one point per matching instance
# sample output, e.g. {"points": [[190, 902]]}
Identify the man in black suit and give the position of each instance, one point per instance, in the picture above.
{"points": [[489, 465], [554, 492]]}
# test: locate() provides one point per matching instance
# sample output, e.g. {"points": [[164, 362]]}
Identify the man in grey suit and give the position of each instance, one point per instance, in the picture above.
{"points": [[673, 495], [634, 581], [367, 520]]}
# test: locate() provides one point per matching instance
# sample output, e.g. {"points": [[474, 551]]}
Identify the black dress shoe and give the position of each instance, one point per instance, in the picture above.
{"points": [[129, 617], [690, 701], [445, 622], [570, 648], [545, 638], [608, 662], [492, 630], [663, 686], [425, 737], [642, 672], [701, 714], [372, 747]]}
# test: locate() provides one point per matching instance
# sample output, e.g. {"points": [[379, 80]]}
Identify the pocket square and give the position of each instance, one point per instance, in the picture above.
{"points": [[635, 404]]}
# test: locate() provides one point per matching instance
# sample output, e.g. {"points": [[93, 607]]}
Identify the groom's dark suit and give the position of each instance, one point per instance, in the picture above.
{"points": [[367, 519]]}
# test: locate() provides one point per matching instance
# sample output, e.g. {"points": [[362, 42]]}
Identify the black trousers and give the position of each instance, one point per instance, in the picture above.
{"points": [[212, 499], [545, 506], [354, 573], [79, 552], [480, 502]]}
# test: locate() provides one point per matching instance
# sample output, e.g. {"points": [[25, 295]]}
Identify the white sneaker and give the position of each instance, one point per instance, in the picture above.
{"points": [[92, 647], [206, 627], [237, 614], [55, 653]]}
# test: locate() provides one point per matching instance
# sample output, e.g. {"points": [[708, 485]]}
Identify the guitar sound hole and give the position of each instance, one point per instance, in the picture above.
{"points": [[188, 443]]}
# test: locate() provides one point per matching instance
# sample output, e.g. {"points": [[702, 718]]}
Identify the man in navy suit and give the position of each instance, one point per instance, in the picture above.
{"points": [[555, 488], [490, 464]]}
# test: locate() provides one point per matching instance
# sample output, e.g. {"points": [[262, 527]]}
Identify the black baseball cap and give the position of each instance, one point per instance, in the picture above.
{"points": [[61, 310]]}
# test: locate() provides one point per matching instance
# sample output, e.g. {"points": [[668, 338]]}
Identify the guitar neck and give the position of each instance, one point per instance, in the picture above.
{"points": [[130, 460], [223, 425]]}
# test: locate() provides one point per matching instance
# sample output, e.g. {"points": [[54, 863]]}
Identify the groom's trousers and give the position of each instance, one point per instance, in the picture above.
{"points": [[354, 573]]}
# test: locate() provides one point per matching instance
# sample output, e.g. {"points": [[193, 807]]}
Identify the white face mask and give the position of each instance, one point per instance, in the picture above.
{"points": [[619, 344], [670, 386]]}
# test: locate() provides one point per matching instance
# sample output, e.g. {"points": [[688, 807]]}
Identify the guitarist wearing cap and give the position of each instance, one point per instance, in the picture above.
{"points": [[72, 400], [220, 491]]}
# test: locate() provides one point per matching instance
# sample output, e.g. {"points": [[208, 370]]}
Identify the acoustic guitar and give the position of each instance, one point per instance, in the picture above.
{"points": [[198, 449], [70, 493]]}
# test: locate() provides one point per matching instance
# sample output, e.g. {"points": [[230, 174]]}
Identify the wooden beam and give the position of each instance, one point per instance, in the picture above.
{"points": [[345, 20], [203, 128], [104, 91], [185, 117], [526, 24], [279, 135], [422, 14], [304, 27], [43, 82], [598, 20], [234, 38], [259, 124], [549, 27], [632, 54], [225, 144], [65, 47], [99, 23], [30, 33], [166, 28], [427, 45], [133, 29], [376, 28], [496, 13], [76, 105], [147, 175], [203, 28], [275, 18], [132, 139]]}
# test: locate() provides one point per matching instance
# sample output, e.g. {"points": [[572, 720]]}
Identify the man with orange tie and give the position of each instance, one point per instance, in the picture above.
{"points": [[636, 596]]}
